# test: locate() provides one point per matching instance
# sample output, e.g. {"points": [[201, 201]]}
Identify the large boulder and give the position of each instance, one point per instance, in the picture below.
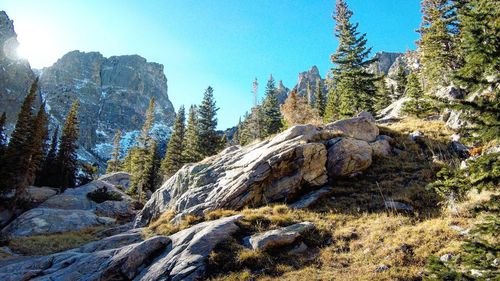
{"points": [[37, 195], [348, 156], [277, 170], [45, 221], [127, 256]]}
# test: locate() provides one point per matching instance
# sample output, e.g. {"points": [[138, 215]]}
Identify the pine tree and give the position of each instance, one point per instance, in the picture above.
{"points": [[155, 177], [18, 153], [353, 85], [419, 105], [141, 158], [401, 81], [67, 160], [174, 159], [48, 175], [114, 163], [3, 136], [207, 124], [383, 95], [436, 45], [320, 100], [38, 144], [191, 153], [271, 116], [478, 74]]}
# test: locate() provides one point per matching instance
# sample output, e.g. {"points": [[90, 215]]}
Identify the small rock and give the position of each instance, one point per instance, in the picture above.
{"points": [[460, 149], [278, 237], [348, 156], [496, 262], [476, 273], [381, 148], [366, 115], [415, 135], [382, 268], [310, 198], [299, 249], [395, 205], [445, 258]]}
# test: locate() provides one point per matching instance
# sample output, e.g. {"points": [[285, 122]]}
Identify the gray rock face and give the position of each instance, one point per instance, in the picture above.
{"points": [[126, 256], [308, 77], [311, 198], [278, 237], [384, 62], [37, 195], [16, 76], [113, 93], [394, 110], [348, 156], [190, 248], [280, 169], [45, 221], [71, 211]]}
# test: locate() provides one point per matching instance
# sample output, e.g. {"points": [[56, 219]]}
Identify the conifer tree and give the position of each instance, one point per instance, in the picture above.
{"points": [[18, 153], [419, 105], [271, 116], [3, 136], [174, 159], [191, 153], [401, 81], [309, 91], [331, 110], [353, 85], [436, 45], [67, 160], [141, 158], [155, 177], [47, 176], [320, 100], [207, 124], [114, 163], [479, 45], [38, 144], [383, 95]]}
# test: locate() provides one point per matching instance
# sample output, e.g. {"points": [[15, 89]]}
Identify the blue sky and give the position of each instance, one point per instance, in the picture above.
{"points": [[222, 43]]}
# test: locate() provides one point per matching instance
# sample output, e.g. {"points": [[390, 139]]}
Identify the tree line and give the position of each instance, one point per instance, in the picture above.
{"points": [[28, 158]]}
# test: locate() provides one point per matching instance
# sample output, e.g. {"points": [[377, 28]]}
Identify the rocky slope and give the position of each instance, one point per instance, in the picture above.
{"points": [[16, 75], [113, 92], [299, 162]]}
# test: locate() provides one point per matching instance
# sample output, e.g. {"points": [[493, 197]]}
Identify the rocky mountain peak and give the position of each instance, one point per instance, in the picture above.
{"points": [[384, 62]]}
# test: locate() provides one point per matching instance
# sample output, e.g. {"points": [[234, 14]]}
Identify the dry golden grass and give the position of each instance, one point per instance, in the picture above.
{"points": [[53, 243]]}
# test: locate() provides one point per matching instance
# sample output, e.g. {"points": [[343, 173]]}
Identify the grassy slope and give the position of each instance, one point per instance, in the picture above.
{"points": [[355, 233]]}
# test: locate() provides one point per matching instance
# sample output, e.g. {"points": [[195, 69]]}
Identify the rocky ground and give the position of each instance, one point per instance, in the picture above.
{"points": [[343, 201]]}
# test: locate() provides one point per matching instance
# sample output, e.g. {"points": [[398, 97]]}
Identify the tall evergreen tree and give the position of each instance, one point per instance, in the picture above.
{"points": [[174, 159], [18, 153], [191, 152], [436, 45], [383, 95], [48, 174], [155, 175], [271, 116], [479, 72], [67, 160], [3, 136], [114, 163], [419, 105], [207, 124], [353, 85], [141, 158], [38, 144], [401, 81], [320, 100]]}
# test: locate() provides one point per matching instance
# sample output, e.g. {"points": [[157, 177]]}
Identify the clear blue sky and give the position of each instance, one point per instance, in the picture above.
{"points": [[222, 43]]}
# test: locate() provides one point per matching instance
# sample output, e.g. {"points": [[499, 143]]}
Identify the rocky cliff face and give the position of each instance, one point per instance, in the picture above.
{"points": [[16, 76], [113, 92]]}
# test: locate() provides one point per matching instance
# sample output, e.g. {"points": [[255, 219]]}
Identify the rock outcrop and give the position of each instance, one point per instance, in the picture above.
{"points": [[301, 159], [127, 256], [278, 237], [16, 75], [94, 204]]}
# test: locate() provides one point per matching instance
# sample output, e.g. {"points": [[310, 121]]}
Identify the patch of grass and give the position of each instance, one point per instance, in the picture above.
{"points": [[165, 226], [53, 243]]}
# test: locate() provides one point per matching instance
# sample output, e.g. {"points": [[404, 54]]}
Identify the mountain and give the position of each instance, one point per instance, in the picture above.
{"points": [[113, 93], [16, 75]]}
